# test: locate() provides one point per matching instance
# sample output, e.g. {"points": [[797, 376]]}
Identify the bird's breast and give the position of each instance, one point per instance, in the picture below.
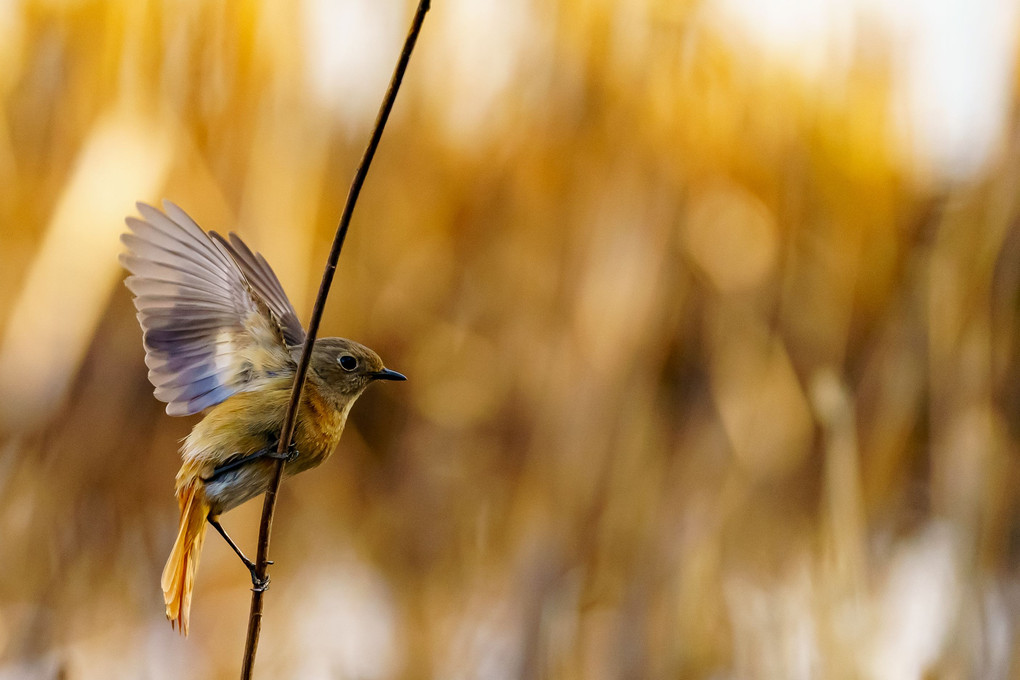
{"points": [[320, 425]]}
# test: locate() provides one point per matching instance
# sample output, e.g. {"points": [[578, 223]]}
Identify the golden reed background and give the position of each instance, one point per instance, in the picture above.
{"points": [[706, 379]]}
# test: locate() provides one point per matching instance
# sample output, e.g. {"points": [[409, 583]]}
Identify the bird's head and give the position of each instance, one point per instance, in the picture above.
{"points": [[346, 368]]}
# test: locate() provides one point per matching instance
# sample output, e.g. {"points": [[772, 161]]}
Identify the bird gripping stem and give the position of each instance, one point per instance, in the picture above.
{"points": [[289, 423]]}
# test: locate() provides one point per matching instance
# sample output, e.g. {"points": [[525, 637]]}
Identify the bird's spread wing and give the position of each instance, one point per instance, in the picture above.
{"points": [[211, 324]]}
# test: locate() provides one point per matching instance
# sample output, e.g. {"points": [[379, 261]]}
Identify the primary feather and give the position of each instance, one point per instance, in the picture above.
{"points": [[214, 317]]}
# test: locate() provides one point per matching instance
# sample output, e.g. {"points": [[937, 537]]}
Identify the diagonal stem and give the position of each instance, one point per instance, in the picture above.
{"points": [[287, 434]]}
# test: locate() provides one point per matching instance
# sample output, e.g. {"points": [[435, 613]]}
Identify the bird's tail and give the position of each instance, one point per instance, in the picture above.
{"points": [[179, 573]]}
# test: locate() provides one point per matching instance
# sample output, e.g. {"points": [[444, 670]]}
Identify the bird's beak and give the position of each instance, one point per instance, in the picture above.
{"points": [[387, 374]]}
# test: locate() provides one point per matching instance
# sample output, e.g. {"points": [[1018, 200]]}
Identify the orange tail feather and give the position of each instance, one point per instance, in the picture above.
{"points": [[179, 573]]}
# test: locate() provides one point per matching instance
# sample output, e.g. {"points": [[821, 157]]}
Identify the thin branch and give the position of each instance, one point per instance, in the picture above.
{"points": [[289, 423]]}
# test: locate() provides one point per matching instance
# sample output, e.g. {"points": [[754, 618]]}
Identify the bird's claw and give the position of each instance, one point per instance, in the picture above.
{"points": [[259, 585], [287, 456]]}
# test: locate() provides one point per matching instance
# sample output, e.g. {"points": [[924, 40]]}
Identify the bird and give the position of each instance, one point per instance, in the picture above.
{"points": [[221, 337]]}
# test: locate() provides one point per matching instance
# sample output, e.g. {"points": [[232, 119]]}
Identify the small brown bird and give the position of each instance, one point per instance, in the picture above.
{"points": [[220, 334]]}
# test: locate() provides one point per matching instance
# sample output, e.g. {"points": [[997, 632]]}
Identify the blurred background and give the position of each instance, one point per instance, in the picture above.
{"points": [[709, 312]]}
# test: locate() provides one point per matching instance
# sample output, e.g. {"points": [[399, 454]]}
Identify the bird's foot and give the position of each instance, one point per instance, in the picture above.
{"points": [[287, 456], [259, 585]]}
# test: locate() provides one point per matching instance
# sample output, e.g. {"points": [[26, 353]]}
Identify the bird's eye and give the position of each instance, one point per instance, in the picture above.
{"points": [[347, 362]]}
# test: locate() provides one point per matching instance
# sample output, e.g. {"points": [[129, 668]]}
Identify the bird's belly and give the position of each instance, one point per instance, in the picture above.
{"points": [[233, 488], [318, 433]]}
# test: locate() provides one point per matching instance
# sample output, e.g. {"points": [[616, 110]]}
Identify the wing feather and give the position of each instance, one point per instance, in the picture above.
{"points": [[210, 324], [262, 277]]}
